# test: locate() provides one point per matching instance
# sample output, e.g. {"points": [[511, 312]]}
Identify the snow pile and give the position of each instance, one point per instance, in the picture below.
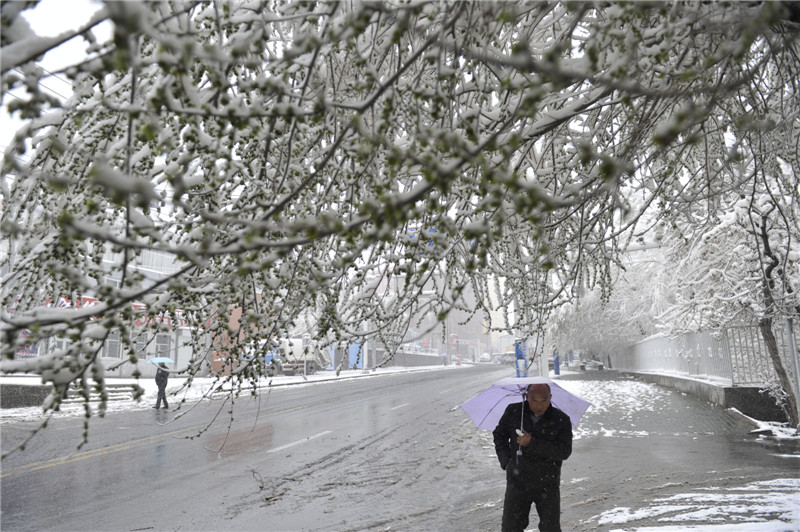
{"points": [[781, 431], [768, 506]]}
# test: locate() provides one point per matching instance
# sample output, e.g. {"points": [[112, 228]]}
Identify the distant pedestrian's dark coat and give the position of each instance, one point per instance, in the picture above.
{"points": [[162, 376]]}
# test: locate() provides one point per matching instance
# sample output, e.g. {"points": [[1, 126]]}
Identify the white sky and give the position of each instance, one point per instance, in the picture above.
{"points": [[52, 17], [48, 19]]}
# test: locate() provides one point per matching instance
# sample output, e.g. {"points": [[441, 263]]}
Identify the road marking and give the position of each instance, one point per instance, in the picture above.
{"points": [[399, 406], [298, 442], [83, 455]]}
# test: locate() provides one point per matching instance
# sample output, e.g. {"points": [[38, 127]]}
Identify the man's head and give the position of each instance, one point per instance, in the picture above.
{"points": [[538, 398]]}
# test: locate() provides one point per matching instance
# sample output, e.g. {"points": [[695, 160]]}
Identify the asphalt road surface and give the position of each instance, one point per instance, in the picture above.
{"points": [[386, 453]]}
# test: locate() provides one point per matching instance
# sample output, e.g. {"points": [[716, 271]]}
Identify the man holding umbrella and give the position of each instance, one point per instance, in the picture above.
{"points": [[162, 376], [532, 439]]}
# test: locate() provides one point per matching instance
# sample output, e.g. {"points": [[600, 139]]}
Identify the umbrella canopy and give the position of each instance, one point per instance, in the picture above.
{"points": [[159, 360], [486, 408]]}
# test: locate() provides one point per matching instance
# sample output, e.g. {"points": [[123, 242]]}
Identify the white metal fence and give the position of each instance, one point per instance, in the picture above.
{"points": [[737, 356]]}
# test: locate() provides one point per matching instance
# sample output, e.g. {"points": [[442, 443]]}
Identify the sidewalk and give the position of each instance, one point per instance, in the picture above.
{"points": [[748, 400], [32, 392]]}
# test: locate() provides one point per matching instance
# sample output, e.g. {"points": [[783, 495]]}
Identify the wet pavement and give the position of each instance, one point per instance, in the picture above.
{"points": [[644, 456], [397, 453]]}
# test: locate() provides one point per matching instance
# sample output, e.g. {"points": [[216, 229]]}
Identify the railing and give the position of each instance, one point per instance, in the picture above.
{"points": [[737, 356]]}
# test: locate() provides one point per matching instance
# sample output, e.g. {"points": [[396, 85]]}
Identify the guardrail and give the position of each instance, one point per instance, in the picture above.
{"points": [[736, 356]]}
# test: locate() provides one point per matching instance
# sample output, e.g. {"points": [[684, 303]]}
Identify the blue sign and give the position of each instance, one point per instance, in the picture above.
{"points": [[520, 351]]}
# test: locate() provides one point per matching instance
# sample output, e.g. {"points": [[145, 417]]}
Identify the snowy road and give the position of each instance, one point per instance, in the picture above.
{"points": [[396, 453]]}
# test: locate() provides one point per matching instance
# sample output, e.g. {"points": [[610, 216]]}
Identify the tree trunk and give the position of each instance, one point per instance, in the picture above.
{"points": [[772, 264], [765, 324]]}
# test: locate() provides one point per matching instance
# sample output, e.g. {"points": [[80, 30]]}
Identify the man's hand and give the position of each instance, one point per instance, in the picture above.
{"points": [[525, 439]]}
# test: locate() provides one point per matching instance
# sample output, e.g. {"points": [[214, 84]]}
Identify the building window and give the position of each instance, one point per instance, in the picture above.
{"points": [[162, 345], [59, 344], [112, 349], [139, 343]]}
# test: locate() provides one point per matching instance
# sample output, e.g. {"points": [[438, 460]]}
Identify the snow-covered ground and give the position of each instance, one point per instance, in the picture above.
{"points": [[753, 505], [762, 506], [648, 397]]}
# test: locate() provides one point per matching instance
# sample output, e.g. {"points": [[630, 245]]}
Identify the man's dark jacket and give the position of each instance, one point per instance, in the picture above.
{"points": [[162, 376], [550, 445]]}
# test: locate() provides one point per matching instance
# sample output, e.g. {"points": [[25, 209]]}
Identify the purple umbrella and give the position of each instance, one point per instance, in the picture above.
{"points": [[486, 408]]}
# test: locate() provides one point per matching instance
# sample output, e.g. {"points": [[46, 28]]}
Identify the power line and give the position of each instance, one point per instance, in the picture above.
{"points": [[22, 158], [50, 74], [12, 94], [54, 92], [54, 75]]}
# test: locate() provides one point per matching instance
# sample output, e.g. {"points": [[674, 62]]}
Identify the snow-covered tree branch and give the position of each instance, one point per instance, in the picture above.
{"points": [[337, 159]]}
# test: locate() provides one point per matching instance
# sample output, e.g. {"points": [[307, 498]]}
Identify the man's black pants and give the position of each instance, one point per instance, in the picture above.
{"points": [[518, 502], [162, 395]]}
